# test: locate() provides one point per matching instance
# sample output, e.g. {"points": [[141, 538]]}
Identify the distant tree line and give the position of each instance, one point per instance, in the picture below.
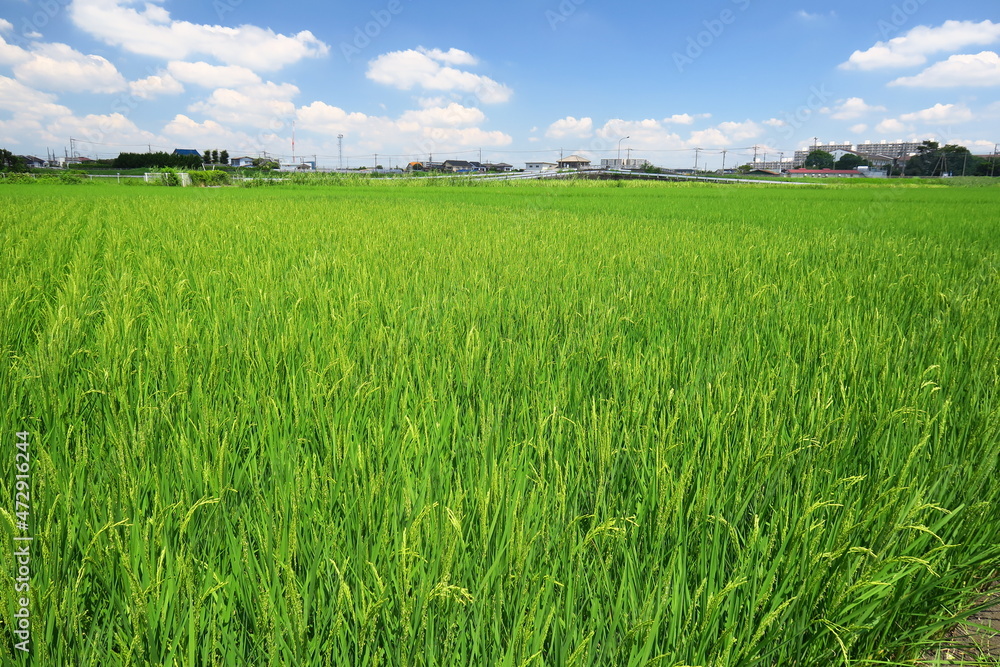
{"points": [[932, 159], [155, 160]]}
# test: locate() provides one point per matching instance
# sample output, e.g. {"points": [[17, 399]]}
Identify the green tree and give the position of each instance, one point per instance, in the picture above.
{"points": [[818, 159], [224, 157], [932, 160], [11, 162], [744, 168], [215, 156], [261, 163], [851, 161], [208, 157]]}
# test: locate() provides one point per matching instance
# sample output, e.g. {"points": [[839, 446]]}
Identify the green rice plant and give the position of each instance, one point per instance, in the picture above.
{"points": [[398, 422]]}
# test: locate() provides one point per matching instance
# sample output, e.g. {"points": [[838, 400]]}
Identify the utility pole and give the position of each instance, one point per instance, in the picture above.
{"points": [[723, 162], [340, 150], [993, 164], [755, 155], [815, 143], [376, 161], [696, 152]]}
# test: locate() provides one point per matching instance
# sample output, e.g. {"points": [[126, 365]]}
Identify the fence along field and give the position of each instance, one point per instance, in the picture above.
{"points": [[503, 425]]}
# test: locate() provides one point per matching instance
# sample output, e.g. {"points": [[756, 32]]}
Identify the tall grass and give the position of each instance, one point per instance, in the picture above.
{"points": [[512, 425]]}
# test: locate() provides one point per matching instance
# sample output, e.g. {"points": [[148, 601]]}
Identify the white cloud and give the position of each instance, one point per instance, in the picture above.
{"points": [[453, 115], [775, 122], [212, 76], [851, 108], [185, 132], [11, 54], [859, 128], [889, 126], [578, 128], [61, 68], [914, 47], [258, 106], [155, 85], [152, 32], [737, 132], [980, 70], [430, 70], [17, 97], [452, 56], [686, 118], [418, 131], [6, 26], [940, 114]]}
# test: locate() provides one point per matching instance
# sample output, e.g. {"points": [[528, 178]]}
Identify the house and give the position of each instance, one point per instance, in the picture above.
{"points": [[764, 172], [415, 166], [241, 161], [477, 166], [187, 151], [499, 166], [826, 173], [539, 166], [574, 162], [33, 162], [458, 166]]}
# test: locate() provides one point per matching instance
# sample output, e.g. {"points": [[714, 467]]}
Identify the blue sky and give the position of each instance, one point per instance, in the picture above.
{"points": [[517, 80]]}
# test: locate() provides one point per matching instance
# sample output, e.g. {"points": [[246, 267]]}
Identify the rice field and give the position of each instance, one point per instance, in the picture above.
{"points": [[514, 425]]}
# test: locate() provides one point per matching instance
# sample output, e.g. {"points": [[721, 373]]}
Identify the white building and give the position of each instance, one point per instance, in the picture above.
{"points": [[539, 166], [617, 163]]}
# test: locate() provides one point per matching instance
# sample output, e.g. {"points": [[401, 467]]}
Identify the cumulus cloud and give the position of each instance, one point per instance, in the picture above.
{"points": [[155, 85], [152, 32], [61, 68], [851, 108], [686, 118], [452, 56], [418, 131], [890, 125], [430, 69], [914, 47], [578, 128], [185, 131], [979, 70], [452, 115], [212, 76], [17, 97], [11, 54], [258, 106], [940, 114], [6, 26]]}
